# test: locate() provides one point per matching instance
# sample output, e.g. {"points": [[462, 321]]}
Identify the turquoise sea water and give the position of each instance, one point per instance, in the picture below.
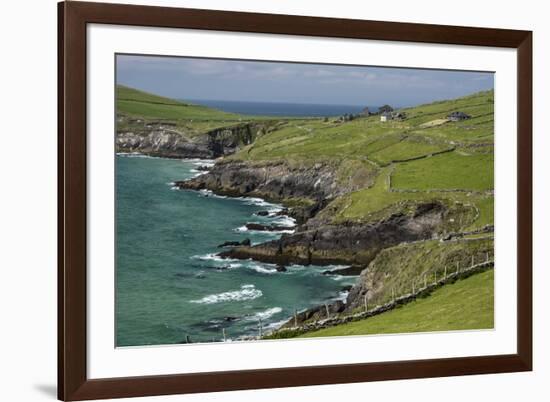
{"points": [[170, 285]]}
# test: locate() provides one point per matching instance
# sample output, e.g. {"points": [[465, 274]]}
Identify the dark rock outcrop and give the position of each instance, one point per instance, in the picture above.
{"points": [[275, 180], [164, 140], [312, 185], [352, 243], [281, 268], [245, 242], [266, 228]]}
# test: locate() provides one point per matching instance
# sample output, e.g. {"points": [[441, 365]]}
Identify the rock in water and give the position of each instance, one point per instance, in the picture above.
{"points": [[229, 244], [281, 268], [245, 242], [266, 228]]}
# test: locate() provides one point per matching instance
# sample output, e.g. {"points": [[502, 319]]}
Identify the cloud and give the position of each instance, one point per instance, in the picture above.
{"points": [[203, 78]]}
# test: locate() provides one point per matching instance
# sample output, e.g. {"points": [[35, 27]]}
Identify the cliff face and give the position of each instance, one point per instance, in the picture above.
{"points": [[318, 240], [167, 141], [275, 180], [309, 187], [350, 243]]}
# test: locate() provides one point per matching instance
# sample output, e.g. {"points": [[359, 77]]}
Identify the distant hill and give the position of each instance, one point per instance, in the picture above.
{"points": [[138, 103]]}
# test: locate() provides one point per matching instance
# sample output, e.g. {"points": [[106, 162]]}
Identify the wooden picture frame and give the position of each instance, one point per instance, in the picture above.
{"points": [[73, 382]]}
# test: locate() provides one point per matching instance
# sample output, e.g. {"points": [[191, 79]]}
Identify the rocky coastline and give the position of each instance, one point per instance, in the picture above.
{"points": [[165, 140], [305, 190], [316, 240]]}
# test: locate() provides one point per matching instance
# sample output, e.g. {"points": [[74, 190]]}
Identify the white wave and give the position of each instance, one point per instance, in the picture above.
{"points": [[205, 192], [286, 221], [209, 193], [243, 228], [264, 315], [203, 162], [259, 202], [337, 278], [209, 257], [336, 267], [343, 295], [289, 231], [133, 155], [199, 162], [246, 292], [262, 269], [275, 325], [197, 172]]}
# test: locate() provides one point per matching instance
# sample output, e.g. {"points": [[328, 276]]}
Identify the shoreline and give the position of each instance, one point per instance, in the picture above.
{"points": [[332, 270]]}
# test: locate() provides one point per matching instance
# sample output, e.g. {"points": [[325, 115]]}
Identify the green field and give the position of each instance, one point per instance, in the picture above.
{"points": [[447, 171], [417, 160], [465, 304], [138, 103]]}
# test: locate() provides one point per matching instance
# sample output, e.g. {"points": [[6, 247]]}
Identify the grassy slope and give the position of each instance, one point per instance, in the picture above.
{"points": [[465, 304], [392, 149], [447, 171], [402, 267], [368, 137], [138, 103]]}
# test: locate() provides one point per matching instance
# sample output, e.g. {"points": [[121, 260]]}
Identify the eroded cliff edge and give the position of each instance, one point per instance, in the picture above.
{"points": [[166, 139], [308, 191]]}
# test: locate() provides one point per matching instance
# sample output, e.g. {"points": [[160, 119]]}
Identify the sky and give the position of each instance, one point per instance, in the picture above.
{"points": [[256, 81]]}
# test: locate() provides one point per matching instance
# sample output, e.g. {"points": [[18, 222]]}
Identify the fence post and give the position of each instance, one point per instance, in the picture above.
{"points": [[445, 272], [366, 304], [260, 327], [425, 281], [413, 288], [223, 333], [473, 260], [435, 277], [328, 312], [187, 339], [457, 267], [295, 318], [487, 256]]}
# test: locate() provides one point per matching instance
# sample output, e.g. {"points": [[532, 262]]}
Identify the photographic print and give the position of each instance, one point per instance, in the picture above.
{"points": [[264, 200]]}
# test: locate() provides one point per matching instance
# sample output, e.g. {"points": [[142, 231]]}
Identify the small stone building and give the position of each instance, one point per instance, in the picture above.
{"points": [[386, 116], [458, 116]]}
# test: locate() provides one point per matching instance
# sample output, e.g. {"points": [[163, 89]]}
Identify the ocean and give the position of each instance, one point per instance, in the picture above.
{"points": [[283, 109], [170, 285]]}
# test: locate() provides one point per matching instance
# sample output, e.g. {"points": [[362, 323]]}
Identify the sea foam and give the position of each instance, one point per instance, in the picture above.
{"points": [[246, 292], [262, 269], [264, 315]]}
